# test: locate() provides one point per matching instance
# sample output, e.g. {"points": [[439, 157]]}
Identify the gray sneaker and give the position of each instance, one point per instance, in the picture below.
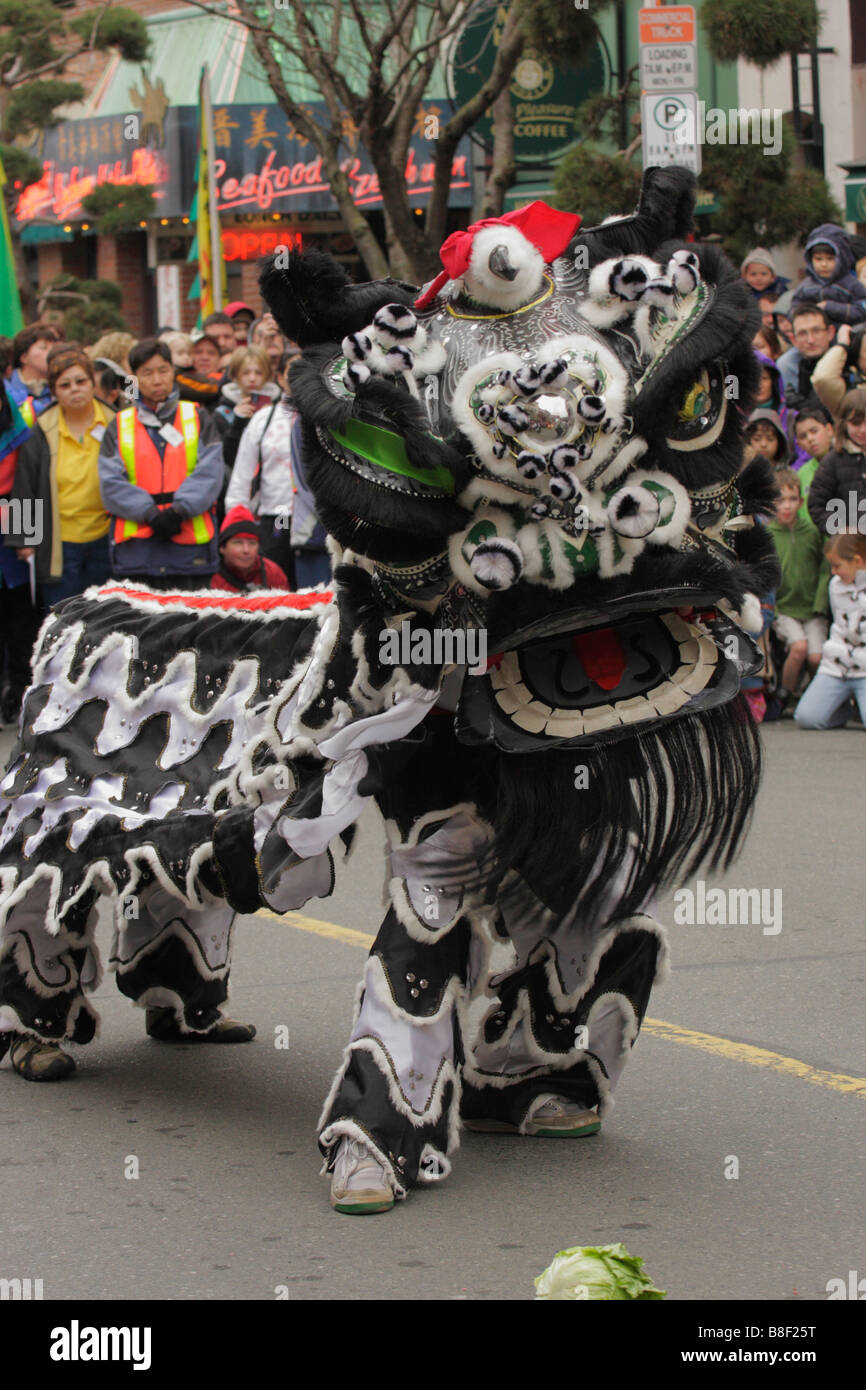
{"points": [[359, 1183], [559, 1118]]}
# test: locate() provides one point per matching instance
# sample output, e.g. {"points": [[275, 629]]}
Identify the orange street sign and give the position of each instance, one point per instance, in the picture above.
{"points": [[668, 24]]}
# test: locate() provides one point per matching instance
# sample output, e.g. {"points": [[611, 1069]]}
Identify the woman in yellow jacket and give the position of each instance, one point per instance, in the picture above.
{"points": [[58, 474]]}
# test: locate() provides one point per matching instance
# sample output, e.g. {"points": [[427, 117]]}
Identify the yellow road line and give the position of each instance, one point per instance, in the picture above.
{"points": [[656, 1027], [330, 929], [755, 1056]]}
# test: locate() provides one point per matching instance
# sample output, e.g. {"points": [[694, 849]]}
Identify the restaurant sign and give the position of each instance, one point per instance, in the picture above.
{"points": [[262, 163]]}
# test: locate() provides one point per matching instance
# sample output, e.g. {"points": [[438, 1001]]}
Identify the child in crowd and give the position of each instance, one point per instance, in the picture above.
{"points": [[801, 595], [249, 388], [830, 280], [765, 435], [760, 274], [767, 342], [180, 346], [841, 676], [771, 396], [242, 568], [837, 495], [814, 432]]}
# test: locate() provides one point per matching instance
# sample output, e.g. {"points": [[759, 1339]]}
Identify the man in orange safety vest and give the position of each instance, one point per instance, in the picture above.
{"points": [[160, 474]]}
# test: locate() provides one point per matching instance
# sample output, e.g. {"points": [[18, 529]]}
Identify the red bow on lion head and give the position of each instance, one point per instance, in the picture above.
{"points": [[549, 231]]}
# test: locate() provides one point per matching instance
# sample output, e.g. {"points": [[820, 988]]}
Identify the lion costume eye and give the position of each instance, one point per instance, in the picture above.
{"points": [[702, 412], [696, 401]]}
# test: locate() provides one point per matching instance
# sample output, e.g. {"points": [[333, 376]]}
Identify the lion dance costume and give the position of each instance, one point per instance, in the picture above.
{"points": [[544, 447]]}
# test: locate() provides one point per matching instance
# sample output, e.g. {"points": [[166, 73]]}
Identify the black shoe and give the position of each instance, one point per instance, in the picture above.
{"points": [[162, 1025]]}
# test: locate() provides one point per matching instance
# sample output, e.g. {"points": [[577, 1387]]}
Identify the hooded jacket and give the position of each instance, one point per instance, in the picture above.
{"points": [[771, 417], [787, 416], [843, 295]]}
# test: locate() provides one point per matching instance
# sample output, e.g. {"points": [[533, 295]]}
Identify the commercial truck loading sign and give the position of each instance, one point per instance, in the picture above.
{"points": [[673, 24], [668, 76], [668, 66]]}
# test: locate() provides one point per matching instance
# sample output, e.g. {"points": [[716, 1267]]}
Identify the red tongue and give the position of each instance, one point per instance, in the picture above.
{"points": [[601, 656]]}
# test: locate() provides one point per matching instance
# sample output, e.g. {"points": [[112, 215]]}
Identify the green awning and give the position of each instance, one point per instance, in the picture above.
{"points": [[32, 234]]}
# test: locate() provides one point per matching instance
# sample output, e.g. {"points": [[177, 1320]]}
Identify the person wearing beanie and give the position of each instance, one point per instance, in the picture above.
{"points": [[759, 272], [242, 569]]}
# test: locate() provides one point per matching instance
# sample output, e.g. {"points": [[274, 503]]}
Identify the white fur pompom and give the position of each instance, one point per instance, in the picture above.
{"points": [[355, 375], [684, 270], [357, 346], [394, 323], [751, 617], [497, 563]]}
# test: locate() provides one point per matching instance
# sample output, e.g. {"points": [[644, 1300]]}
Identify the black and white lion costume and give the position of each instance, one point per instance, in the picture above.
{"points": [[542, 448]]}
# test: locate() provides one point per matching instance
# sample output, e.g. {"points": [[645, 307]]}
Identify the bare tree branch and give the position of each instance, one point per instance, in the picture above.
{"points": [[510, 48], [245, 18]]}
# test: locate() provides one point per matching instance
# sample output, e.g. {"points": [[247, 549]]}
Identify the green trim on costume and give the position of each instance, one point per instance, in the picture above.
{"points": [[388, 450]]}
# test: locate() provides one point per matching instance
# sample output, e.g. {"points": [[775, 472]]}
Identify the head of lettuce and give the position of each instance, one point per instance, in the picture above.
{"points": [[595, 1272]]}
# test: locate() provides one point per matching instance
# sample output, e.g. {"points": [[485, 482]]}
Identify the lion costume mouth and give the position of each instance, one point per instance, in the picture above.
{"points": [[594, 679]]}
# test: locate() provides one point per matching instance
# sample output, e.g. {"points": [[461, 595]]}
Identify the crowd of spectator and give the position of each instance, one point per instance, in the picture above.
{"points": [[810, 424], [172, 461], [176, 462]]}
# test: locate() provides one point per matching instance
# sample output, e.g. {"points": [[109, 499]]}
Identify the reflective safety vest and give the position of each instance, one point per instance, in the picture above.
{"points": [[160, 477], [28, 414]]}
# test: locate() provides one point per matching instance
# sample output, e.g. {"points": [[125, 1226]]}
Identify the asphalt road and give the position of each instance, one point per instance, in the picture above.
{"points": [[228, 1203]]}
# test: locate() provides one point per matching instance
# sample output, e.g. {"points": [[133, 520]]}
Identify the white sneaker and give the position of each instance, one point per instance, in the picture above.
{"points": [[559, 1118], [359, 1183]]}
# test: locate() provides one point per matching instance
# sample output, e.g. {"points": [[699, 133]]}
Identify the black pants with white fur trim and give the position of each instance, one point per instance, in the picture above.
{"points": [[477, 1001], [163, 953]]}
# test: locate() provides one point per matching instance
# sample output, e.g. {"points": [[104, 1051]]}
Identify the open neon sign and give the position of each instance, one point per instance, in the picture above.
{"points": [[249, 243]]}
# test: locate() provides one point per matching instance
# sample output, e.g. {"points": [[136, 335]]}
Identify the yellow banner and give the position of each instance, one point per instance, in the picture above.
{"points": [[211, 265]]}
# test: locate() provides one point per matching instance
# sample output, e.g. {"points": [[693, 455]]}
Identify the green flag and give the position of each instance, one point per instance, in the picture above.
{"points": [[11, 318]]}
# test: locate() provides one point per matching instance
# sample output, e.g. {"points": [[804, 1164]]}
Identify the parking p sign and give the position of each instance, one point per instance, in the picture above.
{"points": [[669, 128]]}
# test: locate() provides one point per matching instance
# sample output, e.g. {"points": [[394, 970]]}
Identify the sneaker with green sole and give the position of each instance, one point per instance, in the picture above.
{"points": [[359, 1183]]}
